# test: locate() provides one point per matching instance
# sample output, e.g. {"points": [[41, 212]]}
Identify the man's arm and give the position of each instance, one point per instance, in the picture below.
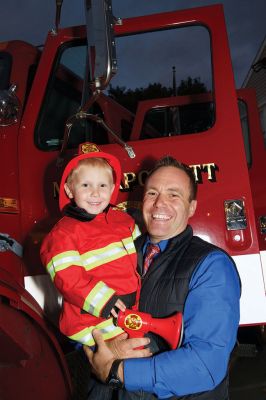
{"points": [[211, 317]]}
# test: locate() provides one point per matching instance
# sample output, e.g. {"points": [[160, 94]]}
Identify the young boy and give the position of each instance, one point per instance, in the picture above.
{"points": [[90, 254]]}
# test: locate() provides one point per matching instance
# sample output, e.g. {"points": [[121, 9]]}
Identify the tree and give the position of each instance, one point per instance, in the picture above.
{"points": [[130, 98], [192, 118], [191, 86]]}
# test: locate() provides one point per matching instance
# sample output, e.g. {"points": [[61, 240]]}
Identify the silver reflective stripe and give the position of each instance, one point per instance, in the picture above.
{"points": [[64, 260], [96, 259], [107, 328], [129, 246], [87, 338], [97, 298]]}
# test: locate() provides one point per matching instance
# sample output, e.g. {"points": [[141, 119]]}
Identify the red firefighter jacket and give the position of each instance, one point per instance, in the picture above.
{"points": [[90, 263]]}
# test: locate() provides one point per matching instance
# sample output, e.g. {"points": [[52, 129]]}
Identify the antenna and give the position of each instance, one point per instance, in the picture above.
{"points": [[58, 13]]}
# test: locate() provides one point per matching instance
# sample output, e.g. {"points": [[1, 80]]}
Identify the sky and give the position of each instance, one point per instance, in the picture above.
{"points": [[30, 20]]}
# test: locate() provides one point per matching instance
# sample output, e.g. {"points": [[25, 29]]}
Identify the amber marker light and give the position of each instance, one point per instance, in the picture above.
{"points": [[9, 206]]}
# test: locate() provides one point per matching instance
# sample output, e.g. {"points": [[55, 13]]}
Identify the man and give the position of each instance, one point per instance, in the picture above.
{"points": [[188, 275]]}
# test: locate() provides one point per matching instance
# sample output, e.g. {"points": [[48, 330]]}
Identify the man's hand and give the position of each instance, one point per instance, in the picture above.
{"points": [[101, 360], [120, 347]]}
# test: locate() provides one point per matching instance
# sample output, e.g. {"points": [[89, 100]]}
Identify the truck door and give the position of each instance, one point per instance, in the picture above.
{"points": [[211, 140]]}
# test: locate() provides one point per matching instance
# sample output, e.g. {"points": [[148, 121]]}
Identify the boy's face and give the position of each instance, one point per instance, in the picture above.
{"points": [[91, 188]]}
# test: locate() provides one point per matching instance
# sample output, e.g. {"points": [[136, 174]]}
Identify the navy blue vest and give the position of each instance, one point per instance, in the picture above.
{"points": [[165, 287]]}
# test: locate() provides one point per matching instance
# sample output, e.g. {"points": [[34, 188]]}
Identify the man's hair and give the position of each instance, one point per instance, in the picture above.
{"points": [[169, 161], [94, 162]]}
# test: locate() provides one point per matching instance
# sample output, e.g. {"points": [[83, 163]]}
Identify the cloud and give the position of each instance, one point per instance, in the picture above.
{"points": [[30, 20]]}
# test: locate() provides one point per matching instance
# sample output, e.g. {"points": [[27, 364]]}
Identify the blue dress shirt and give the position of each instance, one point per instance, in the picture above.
{"points": [[211, 318]]}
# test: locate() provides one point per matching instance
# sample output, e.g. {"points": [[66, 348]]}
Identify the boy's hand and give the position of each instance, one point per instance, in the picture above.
{"points": [[120, 305]]}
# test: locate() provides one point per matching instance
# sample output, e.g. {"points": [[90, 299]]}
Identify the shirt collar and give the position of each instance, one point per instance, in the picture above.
{"points": [[162, 244]]}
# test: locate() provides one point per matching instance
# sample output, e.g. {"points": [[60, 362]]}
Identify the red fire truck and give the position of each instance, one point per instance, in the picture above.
{"points": [[49, 106]]}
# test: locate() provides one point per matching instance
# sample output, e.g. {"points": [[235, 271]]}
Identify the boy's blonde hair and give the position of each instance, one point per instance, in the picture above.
{"points": [[92, 162]]}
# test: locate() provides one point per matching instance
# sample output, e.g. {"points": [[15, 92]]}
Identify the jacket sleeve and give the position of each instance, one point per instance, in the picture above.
{"points": [[211, 318], [64, 264], [135, 231]]}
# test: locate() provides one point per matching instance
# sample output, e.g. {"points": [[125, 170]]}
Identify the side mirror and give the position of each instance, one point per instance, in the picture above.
{"points": [[9, 106], [101, 42]]}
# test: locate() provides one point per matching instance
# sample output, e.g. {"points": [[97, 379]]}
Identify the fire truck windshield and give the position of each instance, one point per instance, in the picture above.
{"points": [[149, 77]]}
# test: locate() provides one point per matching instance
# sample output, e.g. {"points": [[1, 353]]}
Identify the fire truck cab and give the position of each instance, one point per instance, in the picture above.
{"points": [[49, 106]]}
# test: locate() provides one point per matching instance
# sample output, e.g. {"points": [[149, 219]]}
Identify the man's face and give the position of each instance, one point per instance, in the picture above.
{"points": [[166, 206], [91, 188]]}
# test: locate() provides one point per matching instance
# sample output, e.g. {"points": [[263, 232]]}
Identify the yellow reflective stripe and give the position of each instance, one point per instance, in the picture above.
{"points": [[104, 255], [97, 298], [107, 328], [129, 245], [136, 232], [62, 261]]}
